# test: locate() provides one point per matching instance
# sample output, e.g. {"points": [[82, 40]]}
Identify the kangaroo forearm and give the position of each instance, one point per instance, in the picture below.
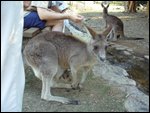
{"points": [[46, 14]]}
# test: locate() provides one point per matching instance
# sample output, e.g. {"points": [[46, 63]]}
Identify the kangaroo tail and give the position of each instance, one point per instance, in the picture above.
{"points": [[133, 38]]}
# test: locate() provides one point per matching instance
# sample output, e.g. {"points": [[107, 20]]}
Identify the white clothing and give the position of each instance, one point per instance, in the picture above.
{"points": [[60, 4], [12, 70]]}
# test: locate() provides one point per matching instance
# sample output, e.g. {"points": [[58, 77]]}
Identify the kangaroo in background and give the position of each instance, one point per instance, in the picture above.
{"points": [[49, 54], [114, 27], [113, 22]]}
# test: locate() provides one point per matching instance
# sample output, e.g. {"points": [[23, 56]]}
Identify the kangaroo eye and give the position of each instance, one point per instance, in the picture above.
{"points": [[106, 47], [95, 47]]}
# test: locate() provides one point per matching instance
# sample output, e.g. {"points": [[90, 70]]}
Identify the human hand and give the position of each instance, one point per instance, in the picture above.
{"points": [[76, 18]]}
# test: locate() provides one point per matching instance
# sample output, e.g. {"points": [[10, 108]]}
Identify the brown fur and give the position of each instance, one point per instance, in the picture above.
{"points": [[115, 23]]}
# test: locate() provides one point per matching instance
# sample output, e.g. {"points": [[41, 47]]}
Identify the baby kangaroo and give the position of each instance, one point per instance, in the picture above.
{"points": [[113, 22]]}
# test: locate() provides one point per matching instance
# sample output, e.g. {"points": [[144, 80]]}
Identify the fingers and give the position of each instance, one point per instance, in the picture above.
{"points": [[74, 16], [79, 18]]}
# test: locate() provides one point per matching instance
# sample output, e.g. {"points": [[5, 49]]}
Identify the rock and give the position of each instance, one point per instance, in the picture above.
{"points": [[113, 74], [136, 101], [121, 48], [129, 49], [136, 105], [146, 57], [126, 53]]}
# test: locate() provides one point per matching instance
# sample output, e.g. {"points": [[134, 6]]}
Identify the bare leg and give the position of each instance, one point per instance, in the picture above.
{"points": [[57, 25]]}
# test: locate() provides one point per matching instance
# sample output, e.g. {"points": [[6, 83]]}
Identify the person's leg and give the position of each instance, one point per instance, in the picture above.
{"points": [[57, 25]]}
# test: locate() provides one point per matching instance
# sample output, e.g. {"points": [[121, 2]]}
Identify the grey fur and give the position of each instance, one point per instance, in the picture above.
{"points": [[50, 53]]}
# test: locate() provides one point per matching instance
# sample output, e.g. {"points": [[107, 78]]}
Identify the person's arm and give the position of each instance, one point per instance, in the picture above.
{"points": [[46, 14]]}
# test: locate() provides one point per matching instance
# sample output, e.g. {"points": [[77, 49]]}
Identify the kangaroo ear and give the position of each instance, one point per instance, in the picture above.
{"points": [[102, 5], [107, 6], [106, 31], [92, 32]]}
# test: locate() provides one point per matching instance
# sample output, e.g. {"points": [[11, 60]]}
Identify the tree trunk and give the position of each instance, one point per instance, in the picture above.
{"points": [[147, 8], [126, 6], [131, 6]]}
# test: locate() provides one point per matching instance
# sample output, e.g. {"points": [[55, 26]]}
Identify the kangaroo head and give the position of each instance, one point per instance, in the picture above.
{"points": [[105, 8], [98, 44]]}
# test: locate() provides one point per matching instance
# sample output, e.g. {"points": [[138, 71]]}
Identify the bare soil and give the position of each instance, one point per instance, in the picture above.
{"points": [[97, 95]]}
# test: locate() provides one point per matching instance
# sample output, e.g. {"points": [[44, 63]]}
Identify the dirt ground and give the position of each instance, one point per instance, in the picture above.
{"points": [[97, 94]]}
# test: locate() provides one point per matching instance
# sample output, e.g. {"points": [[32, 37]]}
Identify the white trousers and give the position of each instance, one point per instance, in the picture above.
{"points": [[12, 70]]}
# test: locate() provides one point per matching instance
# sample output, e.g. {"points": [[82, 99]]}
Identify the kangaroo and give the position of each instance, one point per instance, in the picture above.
{"points": [[50, 53], [114, 27], [116, 24]]}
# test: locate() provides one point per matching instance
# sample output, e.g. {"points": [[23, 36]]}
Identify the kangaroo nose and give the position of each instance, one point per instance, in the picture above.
{"points": [[102, 55], [102, 59]]}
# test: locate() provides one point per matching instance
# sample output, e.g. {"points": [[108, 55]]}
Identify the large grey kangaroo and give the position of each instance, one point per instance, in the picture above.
{"points": [[50, 53]]}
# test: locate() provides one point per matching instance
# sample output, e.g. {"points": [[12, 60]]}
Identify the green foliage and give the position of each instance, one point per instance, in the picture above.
{"points": [[141, 2], [118, 3]]}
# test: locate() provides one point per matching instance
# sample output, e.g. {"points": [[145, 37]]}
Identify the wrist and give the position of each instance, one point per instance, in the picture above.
{"points": [[67, 15], [65, 10]]}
